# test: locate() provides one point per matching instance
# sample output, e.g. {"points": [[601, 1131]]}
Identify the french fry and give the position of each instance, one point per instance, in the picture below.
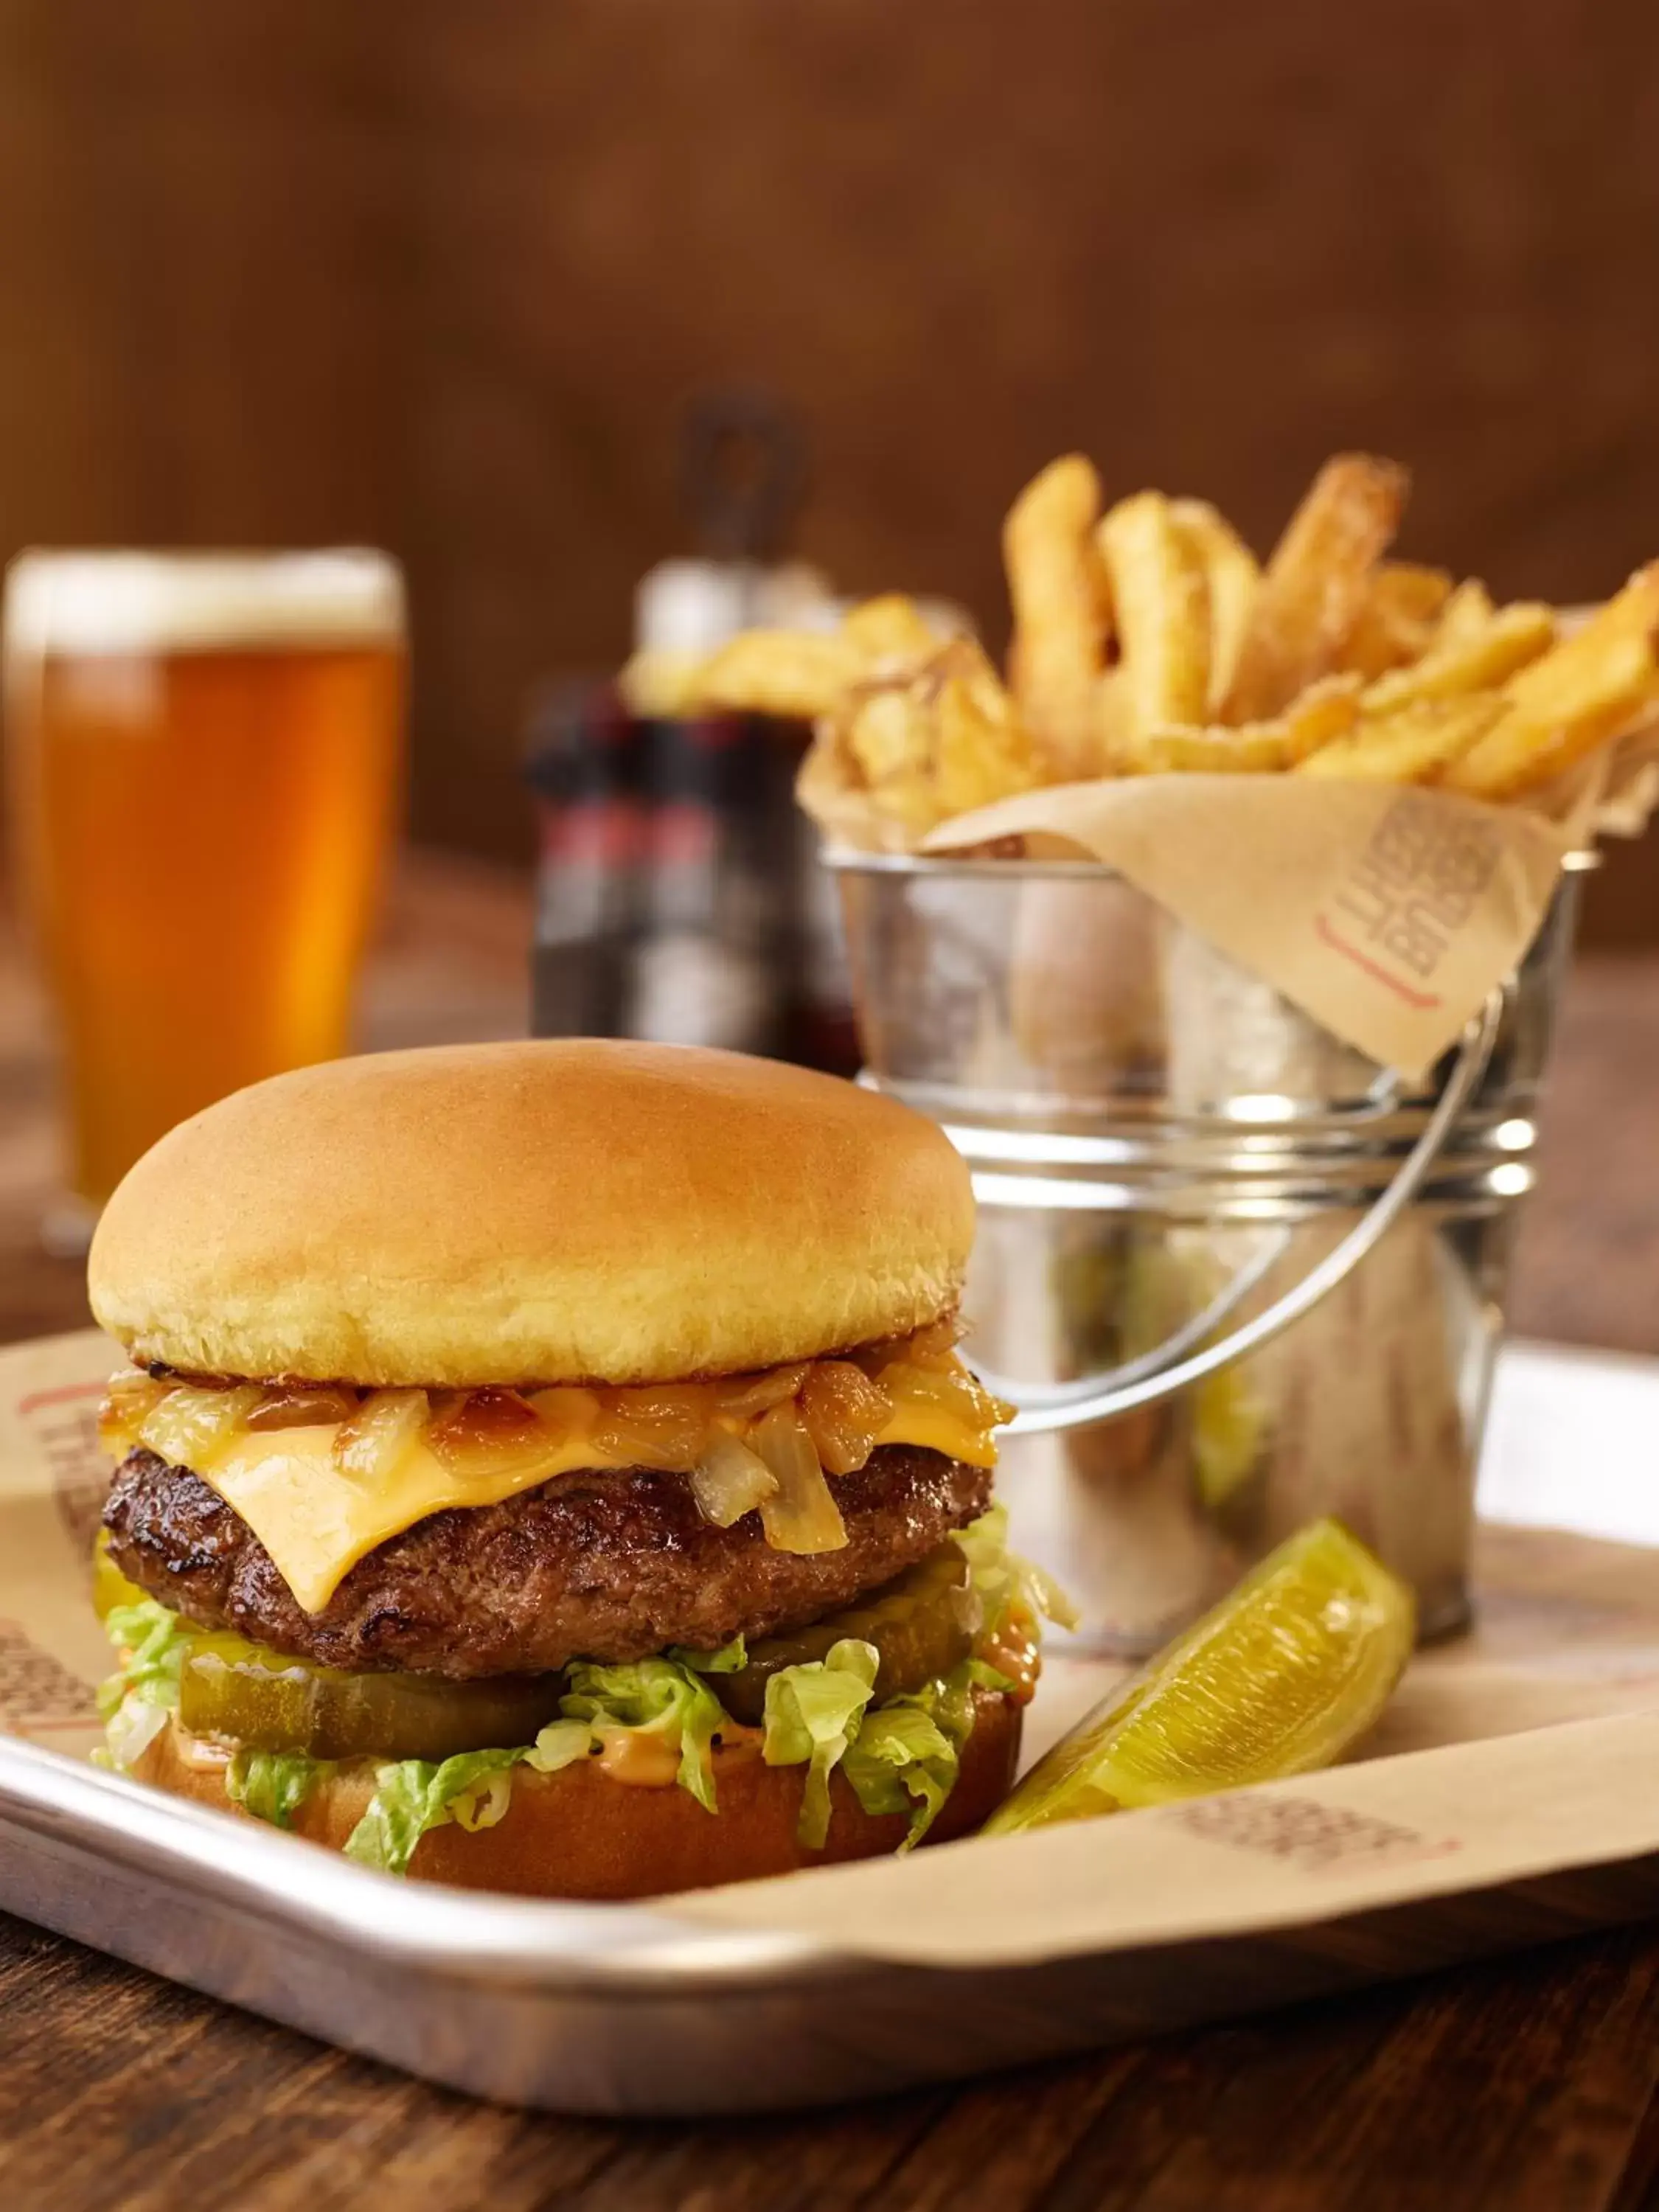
{"points": [[1412, 744], [793, 673], [889, 733], [1479, 661], [938, 741], [1059, 634], [1586, 690], [1464, 615], [981, 754], [1161, 599], [1324, 711], [1114, 718], [1254, 748], [1322, 714], [886, 732], [660, 684], [1397, 624], [1233, 578], [890, 631], [1316, 583]]}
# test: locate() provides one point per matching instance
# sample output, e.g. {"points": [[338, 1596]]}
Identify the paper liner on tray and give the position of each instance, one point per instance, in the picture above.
{"points": [[1388, 912], [1530, 1746]]}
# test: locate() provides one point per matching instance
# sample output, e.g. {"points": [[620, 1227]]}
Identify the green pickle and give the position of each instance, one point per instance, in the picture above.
{"points": [[230, 1687], [921, 1624], [1284, 1675]]}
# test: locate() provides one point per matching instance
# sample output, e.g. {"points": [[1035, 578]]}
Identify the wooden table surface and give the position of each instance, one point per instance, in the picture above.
{"points": [[1526, 2085]]}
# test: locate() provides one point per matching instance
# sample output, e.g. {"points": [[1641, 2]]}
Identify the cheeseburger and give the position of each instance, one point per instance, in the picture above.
{"points": [[549, 1468]]}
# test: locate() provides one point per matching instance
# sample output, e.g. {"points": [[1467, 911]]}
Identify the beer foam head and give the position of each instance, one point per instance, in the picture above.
{"points": [[186, 602]]}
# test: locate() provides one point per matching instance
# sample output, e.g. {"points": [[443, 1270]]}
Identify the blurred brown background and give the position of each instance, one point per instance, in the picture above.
{"points": [[442, 276]]}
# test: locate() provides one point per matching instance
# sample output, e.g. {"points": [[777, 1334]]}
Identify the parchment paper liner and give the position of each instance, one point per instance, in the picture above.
{"points": [[1528, 1747], [1387, 913]]}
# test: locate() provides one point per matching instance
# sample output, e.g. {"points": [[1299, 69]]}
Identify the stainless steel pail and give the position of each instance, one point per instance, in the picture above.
{"points": [[1233, 1274]]}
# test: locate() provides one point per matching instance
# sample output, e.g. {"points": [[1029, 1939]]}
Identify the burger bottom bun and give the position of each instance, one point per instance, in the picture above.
{"points": [[580, 1833]]}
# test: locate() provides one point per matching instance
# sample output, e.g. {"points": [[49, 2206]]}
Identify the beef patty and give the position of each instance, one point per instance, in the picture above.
{"points": [[612, 1566]]}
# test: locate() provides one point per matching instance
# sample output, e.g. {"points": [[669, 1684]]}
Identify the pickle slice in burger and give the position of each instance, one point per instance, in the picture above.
{"points": [[922, 1626], [1284, 1675], [240, 1691]]}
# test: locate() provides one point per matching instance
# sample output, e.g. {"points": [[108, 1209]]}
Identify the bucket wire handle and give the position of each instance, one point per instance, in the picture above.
{"points": [[1046, 1409], [1187, 1338]]}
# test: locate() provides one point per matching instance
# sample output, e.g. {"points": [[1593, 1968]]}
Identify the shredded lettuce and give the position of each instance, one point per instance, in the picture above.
{"points": [[272, 1785], [900, 1757], [813, 1712], [664, 1698], [1002, 1579], [561, 1743], [903, 1762], [412, 1796], [152, 1643], [907, 1754], [135, 1700], [730, 1659]]}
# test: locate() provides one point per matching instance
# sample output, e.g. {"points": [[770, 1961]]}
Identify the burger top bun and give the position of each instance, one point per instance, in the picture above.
{"points": [[568, 1210]]}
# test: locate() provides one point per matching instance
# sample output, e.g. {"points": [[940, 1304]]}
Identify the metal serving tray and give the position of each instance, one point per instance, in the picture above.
{"points": [[620, 2009], [717, 2004]]}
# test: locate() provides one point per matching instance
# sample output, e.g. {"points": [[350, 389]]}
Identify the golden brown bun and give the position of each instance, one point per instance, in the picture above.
{"points": [[568, 1210], [578, 1833]]}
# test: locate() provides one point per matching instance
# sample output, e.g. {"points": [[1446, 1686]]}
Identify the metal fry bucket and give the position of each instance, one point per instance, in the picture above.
{"points": [[1233, 1275]]}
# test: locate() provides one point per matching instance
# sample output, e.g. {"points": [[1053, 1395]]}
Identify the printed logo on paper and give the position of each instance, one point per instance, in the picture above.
{"points": [[1303, 1833], [65, 1424], [39, 1696], [1401, 906]]}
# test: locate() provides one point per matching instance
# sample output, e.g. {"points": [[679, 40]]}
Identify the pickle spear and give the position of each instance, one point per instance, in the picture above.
{"points": [[1292, 1668]]}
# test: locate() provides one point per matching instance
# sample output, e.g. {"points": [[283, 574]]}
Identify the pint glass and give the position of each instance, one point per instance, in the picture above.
{"points": [[203, 761]]}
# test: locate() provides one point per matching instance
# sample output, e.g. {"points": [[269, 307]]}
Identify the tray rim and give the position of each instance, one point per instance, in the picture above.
{"points": [[554, 1946]]}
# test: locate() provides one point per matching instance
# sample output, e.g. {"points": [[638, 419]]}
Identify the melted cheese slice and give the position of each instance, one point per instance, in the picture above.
{"points": [[317, 1522]]}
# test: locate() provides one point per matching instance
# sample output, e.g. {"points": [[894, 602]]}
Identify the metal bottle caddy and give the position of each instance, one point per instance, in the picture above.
{"points": [[1232, 1275]]}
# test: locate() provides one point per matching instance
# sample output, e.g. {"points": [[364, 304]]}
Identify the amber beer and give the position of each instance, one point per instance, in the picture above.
{"points": [[204, 757]]}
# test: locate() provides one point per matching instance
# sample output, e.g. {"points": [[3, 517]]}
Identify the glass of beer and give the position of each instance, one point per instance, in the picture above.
{"points": [[204, 756]]}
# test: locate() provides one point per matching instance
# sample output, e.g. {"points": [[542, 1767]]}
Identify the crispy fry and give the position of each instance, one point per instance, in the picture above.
{"points": [[937, 741], [1233, 577], [1161, 597], [1316, 583], [1256, 748], [1324, 711], [980, 756], [888, 735], [1322, 714], [794, 673], [1586, 690], [891, 630], [663, 685], [1113, 714], [1411, 591], [1059, 637], [1465, 615], [1412, 744], [890, 732], [1397, 624], [1478, 662]]}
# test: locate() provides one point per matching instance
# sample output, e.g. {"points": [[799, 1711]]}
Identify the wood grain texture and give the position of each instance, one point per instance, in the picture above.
{"points": [[444, 277], [1524, 2085]]}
